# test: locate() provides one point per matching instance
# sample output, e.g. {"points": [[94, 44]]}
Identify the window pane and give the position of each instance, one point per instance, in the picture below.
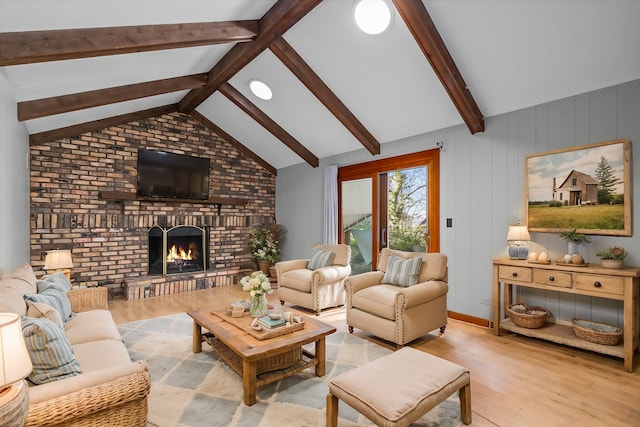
{"points": [[356, 220]]}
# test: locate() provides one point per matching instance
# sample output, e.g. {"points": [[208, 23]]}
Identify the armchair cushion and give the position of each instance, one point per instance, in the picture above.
{"points": [[402, 272], [320, 258]]}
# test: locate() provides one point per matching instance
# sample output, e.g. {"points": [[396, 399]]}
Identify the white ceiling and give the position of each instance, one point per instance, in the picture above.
{"points": [[512, 54]]}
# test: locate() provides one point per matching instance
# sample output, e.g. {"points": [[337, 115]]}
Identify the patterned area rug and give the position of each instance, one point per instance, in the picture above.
{"points": [[193, 390]]}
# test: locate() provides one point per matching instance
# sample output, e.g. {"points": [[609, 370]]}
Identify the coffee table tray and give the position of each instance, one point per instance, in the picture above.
{"points": [[244, 323]]}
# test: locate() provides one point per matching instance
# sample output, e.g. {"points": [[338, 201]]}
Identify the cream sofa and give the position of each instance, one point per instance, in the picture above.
{"points": [[111, 389], [399, 314]]}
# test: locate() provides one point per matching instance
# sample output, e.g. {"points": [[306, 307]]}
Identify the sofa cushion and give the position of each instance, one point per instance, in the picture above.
{"points": [[92, 325], [56, 296], [297, 279], [379, 300], [403, 272], [50, 351], [320, 258], [12, 288], [96, 355], [41, 310]]}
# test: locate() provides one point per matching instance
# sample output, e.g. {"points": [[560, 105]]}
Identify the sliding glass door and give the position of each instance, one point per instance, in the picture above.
{"points": [[389, 203]]}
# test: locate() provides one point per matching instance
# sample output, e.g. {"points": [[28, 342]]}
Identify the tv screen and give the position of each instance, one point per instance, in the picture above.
{"points": [[168, 175]]}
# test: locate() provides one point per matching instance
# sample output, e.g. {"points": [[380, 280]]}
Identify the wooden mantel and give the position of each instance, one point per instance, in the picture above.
{"points": [[130, 196]]}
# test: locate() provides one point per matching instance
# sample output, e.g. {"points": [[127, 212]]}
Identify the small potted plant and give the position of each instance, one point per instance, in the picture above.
{"points": [[613, 257], [573, 239], [264, 243]]}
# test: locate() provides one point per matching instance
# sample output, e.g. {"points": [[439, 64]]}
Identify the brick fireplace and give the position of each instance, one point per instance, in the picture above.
{"points": [[109, 239]]}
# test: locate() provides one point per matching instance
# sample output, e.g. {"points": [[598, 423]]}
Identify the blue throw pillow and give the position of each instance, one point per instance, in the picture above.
{"points": [[320, 258], [402, 272], [50, 351], [55, 278], [54, 295]]}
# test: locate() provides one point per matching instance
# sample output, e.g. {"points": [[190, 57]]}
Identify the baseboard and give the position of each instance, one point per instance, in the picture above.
{"points": [[469, 319]]}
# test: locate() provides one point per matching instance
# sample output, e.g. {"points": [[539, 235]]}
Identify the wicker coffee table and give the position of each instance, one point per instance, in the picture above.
{"points": [[261, 362]]}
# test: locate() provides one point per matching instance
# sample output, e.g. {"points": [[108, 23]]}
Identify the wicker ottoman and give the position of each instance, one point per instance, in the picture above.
{"points": [[397, 389]]}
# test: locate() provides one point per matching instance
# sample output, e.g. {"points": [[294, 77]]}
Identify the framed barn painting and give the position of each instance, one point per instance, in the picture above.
{"points": [[587, 188]]}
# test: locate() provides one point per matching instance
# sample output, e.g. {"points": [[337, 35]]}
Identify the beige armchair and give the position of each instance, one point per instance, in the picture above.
{"points": [[398, 313], [315, 289]]}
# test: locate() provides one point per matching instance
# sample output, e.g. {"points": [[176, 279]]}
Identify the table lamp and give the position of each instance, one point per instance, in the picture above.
{"points": [[59, 260], [15, 366], [516, 240]]}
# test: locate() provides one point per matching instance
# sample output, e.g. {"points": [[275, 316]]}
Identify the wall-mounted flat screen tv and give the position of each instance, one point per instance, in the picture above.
{"points": [[168, 175]]}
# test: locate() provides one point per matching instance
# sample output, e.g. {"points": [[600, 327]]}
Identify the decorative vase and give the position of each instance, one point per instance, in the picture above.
{"points": [[612, 263], [264, 265], [258, 306]]}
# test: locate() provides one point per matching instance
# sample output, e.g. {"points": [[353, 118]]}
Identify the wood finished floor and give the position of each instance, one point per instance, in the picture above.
{"points": [[515, 381]]}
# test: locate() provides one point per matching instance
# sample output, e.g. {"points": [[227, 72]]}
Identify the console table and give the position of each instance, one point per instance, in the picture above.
{"points": [[593, 280]]}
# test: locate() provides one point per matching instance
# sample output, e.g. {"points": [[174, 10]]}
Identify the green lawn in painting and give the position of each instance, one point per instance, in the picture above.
{"points": [[605, 217]]}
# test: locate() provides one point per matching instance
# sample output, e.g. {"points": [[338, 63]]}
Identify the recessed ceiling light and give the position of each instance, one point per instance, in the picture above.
{"points": [[260, 89], [372, 16]]}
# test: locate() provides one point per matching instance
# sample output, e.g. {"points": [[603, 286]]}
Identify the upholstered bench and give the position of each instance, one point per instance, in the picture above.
{"points": [[398, 389]]}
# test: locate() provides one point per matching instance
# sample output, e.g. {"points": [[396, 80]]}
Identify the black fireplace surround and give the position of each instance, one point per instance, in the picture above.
{"points": [[176, 250]]}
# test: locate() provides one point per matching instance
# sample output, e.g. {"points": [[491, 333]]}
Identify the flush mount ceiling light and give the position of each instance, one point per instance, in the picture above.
{"points": [[260, 89], [372, 16]]}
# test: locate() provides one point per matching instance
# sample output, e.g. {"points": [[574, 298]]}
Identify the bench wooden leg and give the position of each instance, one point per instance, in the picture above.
{"points": [[465, 404], [332, 410]]}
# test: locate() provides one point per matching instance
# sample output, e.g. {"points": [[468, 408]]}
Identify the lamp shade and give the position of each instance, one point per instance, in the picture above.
{"points": [[58, 259], [518, 232], [15, 363]]}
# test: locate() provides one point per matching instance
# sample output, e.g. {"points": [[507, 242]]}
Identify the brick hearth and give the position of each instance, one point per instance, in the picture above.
{"points": [[108, 238]]}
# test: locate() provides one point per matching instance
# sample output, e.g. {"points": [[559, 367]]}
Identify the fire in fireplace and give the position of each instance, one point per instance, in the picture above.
{"points": [[180, 249]]}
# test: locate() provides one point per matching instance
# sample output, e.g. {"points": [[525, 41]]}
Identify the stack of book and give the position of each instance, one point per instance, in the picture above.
{"points": [[269, 323]]}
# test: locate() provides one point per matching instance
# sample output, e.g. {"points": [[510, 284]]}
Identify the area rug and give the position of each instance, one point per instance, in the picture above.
{"points": [[193, 390]]}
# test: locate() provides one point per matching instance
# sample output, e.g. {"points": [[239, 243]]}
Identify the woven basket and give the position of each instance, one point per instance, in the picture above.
{"points": [[527, 316], [599, 333]]}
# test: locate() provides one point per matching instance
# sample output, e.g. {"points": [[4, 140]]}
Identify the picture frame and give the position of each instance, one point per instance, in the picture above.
{"points": [[586, 188]]}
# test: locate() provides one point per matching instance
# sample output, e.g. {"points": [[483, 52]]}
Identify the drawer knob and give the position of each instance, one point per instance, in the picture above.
{"points": [[514, 274], [551, 278], [597, 284]]}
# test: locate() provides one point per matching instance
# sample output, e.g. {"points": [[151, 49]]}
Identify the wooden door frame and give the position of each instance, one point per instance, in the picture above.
{"points": [[428, 158]]}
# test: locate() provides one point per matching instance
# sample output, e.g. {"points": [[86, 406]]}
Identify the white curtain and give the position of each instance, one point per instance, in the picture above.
{"points": [[330, 231]]}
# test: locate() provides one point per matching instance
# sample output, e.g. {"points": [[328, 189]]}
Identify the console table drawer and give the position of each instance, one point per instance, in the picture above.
{"points": [[604, 284], [522, 274], [553, 278]]}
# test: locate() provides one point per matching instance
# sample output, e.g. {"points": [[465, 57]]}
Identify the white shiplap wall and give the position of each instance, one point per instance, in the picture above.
{"points": [[482, 190]]}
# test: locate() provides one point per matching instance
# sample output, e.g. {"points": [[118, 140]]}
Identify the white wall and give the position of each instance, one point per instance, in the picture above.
{"points": [[482, 190], [14, 183]]}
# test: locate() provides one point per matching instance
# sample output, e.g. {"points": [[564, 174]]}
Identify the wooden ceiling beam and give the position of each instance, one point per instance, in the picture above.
{"points": [[28, 110], [69, 131], [419, 22], [278, 20], [232, 141], [294, 62], [269, 124], [55, 45]]}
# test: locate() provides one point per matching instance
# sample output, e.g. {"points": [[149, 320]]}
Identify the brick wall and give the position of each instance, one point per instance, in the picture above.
{"points": [[108, 239]]}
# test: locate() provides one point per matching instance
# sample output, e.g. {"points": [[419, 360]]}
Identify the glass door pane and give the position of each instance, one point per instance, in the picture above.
{"points": [[403, 206], [357, 224]]}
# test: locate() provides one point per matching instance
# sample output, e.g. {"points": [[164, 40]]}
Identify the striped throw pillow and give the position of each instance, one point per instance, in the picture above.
{"points": [[50, 350], [54, 295], [320, 258], [402, 272]]}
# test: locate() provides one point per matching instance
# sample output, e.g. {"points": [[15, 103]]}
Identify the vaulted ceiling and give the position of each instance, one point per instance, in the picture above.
{"points": [[80, 65]]}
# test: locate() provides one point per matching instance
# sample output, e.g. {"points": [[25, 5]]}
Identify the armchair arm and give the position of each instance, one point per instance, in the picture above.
{"points": [[294, 264], [88, 299], [330, 274], [360, 281], [421, 293]]}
